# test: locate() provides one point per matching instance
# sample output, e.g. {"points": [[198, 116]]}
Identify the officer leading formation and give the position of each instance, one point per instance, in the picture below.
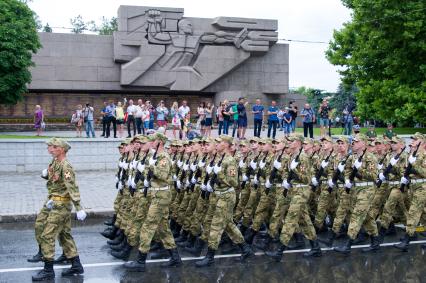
{"points": [[257, 194]]}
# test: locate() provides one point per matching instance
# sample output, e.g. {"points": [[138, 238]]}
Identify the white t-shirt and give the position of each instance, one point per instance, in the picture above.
{"points": [[183, 111], [131, 109], [138, 111]]}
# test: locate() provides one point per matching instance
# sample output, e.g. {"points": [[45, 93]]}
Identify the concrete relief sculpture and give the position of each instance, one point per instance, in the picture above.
{"points": [[159, 48]]}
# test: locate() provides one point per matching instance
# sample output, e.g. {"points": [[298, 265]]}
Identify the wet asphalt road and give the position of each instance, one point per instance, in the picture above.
{"points": [[389, 265]]}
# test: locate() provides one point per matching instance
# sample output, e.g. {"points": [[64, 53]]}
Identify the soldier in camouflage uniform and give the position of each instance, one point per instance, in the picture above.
{"points": [[363, 182], [243, 155], [63, 193], [176, 168], [223, 184], [267, 200], [396, 198], [157, 186], [417, 180], [300, 176]]}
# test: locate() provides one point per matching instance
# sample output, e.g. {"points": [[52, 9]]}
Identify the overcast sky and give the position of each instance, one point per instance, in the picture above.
{"points": [[312, 20]]}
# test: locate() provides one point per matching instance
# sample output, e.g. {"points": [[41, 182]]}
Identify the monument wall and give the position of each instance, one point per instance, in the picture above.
{"points": [[158, 54]]}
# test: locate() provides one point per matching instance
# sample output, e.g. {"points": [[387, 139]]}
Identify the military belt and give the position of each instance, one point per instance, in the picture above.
{"points": [[417, 181], [364, 184], [159, 189], [59, 198], [230, 190], [299, 186]]}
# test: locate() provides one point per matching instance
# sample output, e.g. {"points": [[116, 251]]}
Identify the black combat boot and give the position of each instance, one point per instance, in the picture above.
{"points": [[191, 241], [172, 224], [403, 246], [155, 246], [138, 265], [264, 245], [315, 249], [176, 232], [183, 237], [330, 238], [299, 242], [175, 259], [117, 240], [346, 248], [243, 229], [207, 260], [375, 245], [111, 221], [119, 246], [249, 236], [75, 269], [37, 257], [361, 238], [197, 248], [246, 251], [61, 260], [277, 255], [124, 253], [110, 233], [391, 230], [46, 273], [382, 234]]}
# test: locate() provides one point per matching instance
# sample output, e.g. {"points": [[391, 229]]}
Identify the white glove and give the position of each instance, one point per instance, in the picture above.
{"points": [[193, 180], [185, 167], [245, 178], [217, 169], [209, 187], [152, 161], [44, 173], [262, 164], [379, 166], [178, 184], [382, 177], [193, 167], [201, 163], [293, 164], [404, 180], [341, 167], [412, 159], [187, 183], [286, 185], [141, 167], [348, 184], [179, 164], [49, 204], [129, 182], [203, 187], [174, 177], [120, 186], [277, 165], [330, 183], [120, 164], [81, 215], [209, 170], [314, 181], [253, 165], [357, 164], [324, 164], [393, 161], [125, 166], [133, 183], [145, 183], [134, 163], [116, 179], [268, 185], [241, 164], [255, 181]]}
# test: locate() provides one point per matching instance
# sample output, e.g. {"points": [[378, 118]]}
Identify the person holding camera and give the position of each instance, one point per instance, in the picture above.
{"points": [[323, 112], [88, 120]]}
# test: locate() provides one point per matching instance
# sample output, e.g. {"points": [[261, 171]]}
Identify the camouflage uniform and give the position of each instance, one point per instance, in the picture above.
{"points": [[243, 190]]}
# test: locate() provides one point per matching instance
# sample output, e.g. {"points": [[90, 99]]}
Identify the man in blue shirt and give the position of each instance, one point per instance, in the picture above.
{"points": [[258, 117], [104, 119], [272, 119], [308, 121], [110, 116]]}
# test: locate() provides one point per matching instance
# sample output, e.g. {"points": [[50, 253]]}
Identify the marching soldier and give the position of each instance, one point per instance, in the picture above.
{"points": [[63, 193]]}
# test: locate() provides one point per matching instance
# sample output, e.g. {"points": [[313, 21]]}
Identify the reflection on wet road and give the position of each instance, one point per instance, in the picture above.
{"points": [[389, 265]]}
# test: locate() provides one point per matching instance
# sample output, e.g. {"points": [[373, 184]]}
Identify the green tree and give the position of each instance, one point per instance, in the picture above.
{"points": [[78, 25], [383, 52], [18, 41], [107, 26], [47, 28]]}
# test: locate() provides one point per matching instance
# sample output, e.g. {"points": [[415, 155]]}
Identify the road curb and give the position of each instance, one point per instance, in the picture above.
{"points": [[11, 218]]}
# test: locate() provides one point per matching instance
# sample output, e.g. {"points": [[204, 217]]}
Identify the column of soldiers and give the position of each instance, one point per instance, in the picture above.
{"points": [[204, 193]]}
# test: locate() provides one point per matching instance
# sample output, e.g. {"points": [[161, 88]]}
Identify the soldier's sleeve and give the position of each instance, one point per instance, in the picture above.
{"points": [[268, 166], [420, 165], [162, 169], [228, 174], [370, 169], [71, 185], [283, 172], [348, 167]]}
